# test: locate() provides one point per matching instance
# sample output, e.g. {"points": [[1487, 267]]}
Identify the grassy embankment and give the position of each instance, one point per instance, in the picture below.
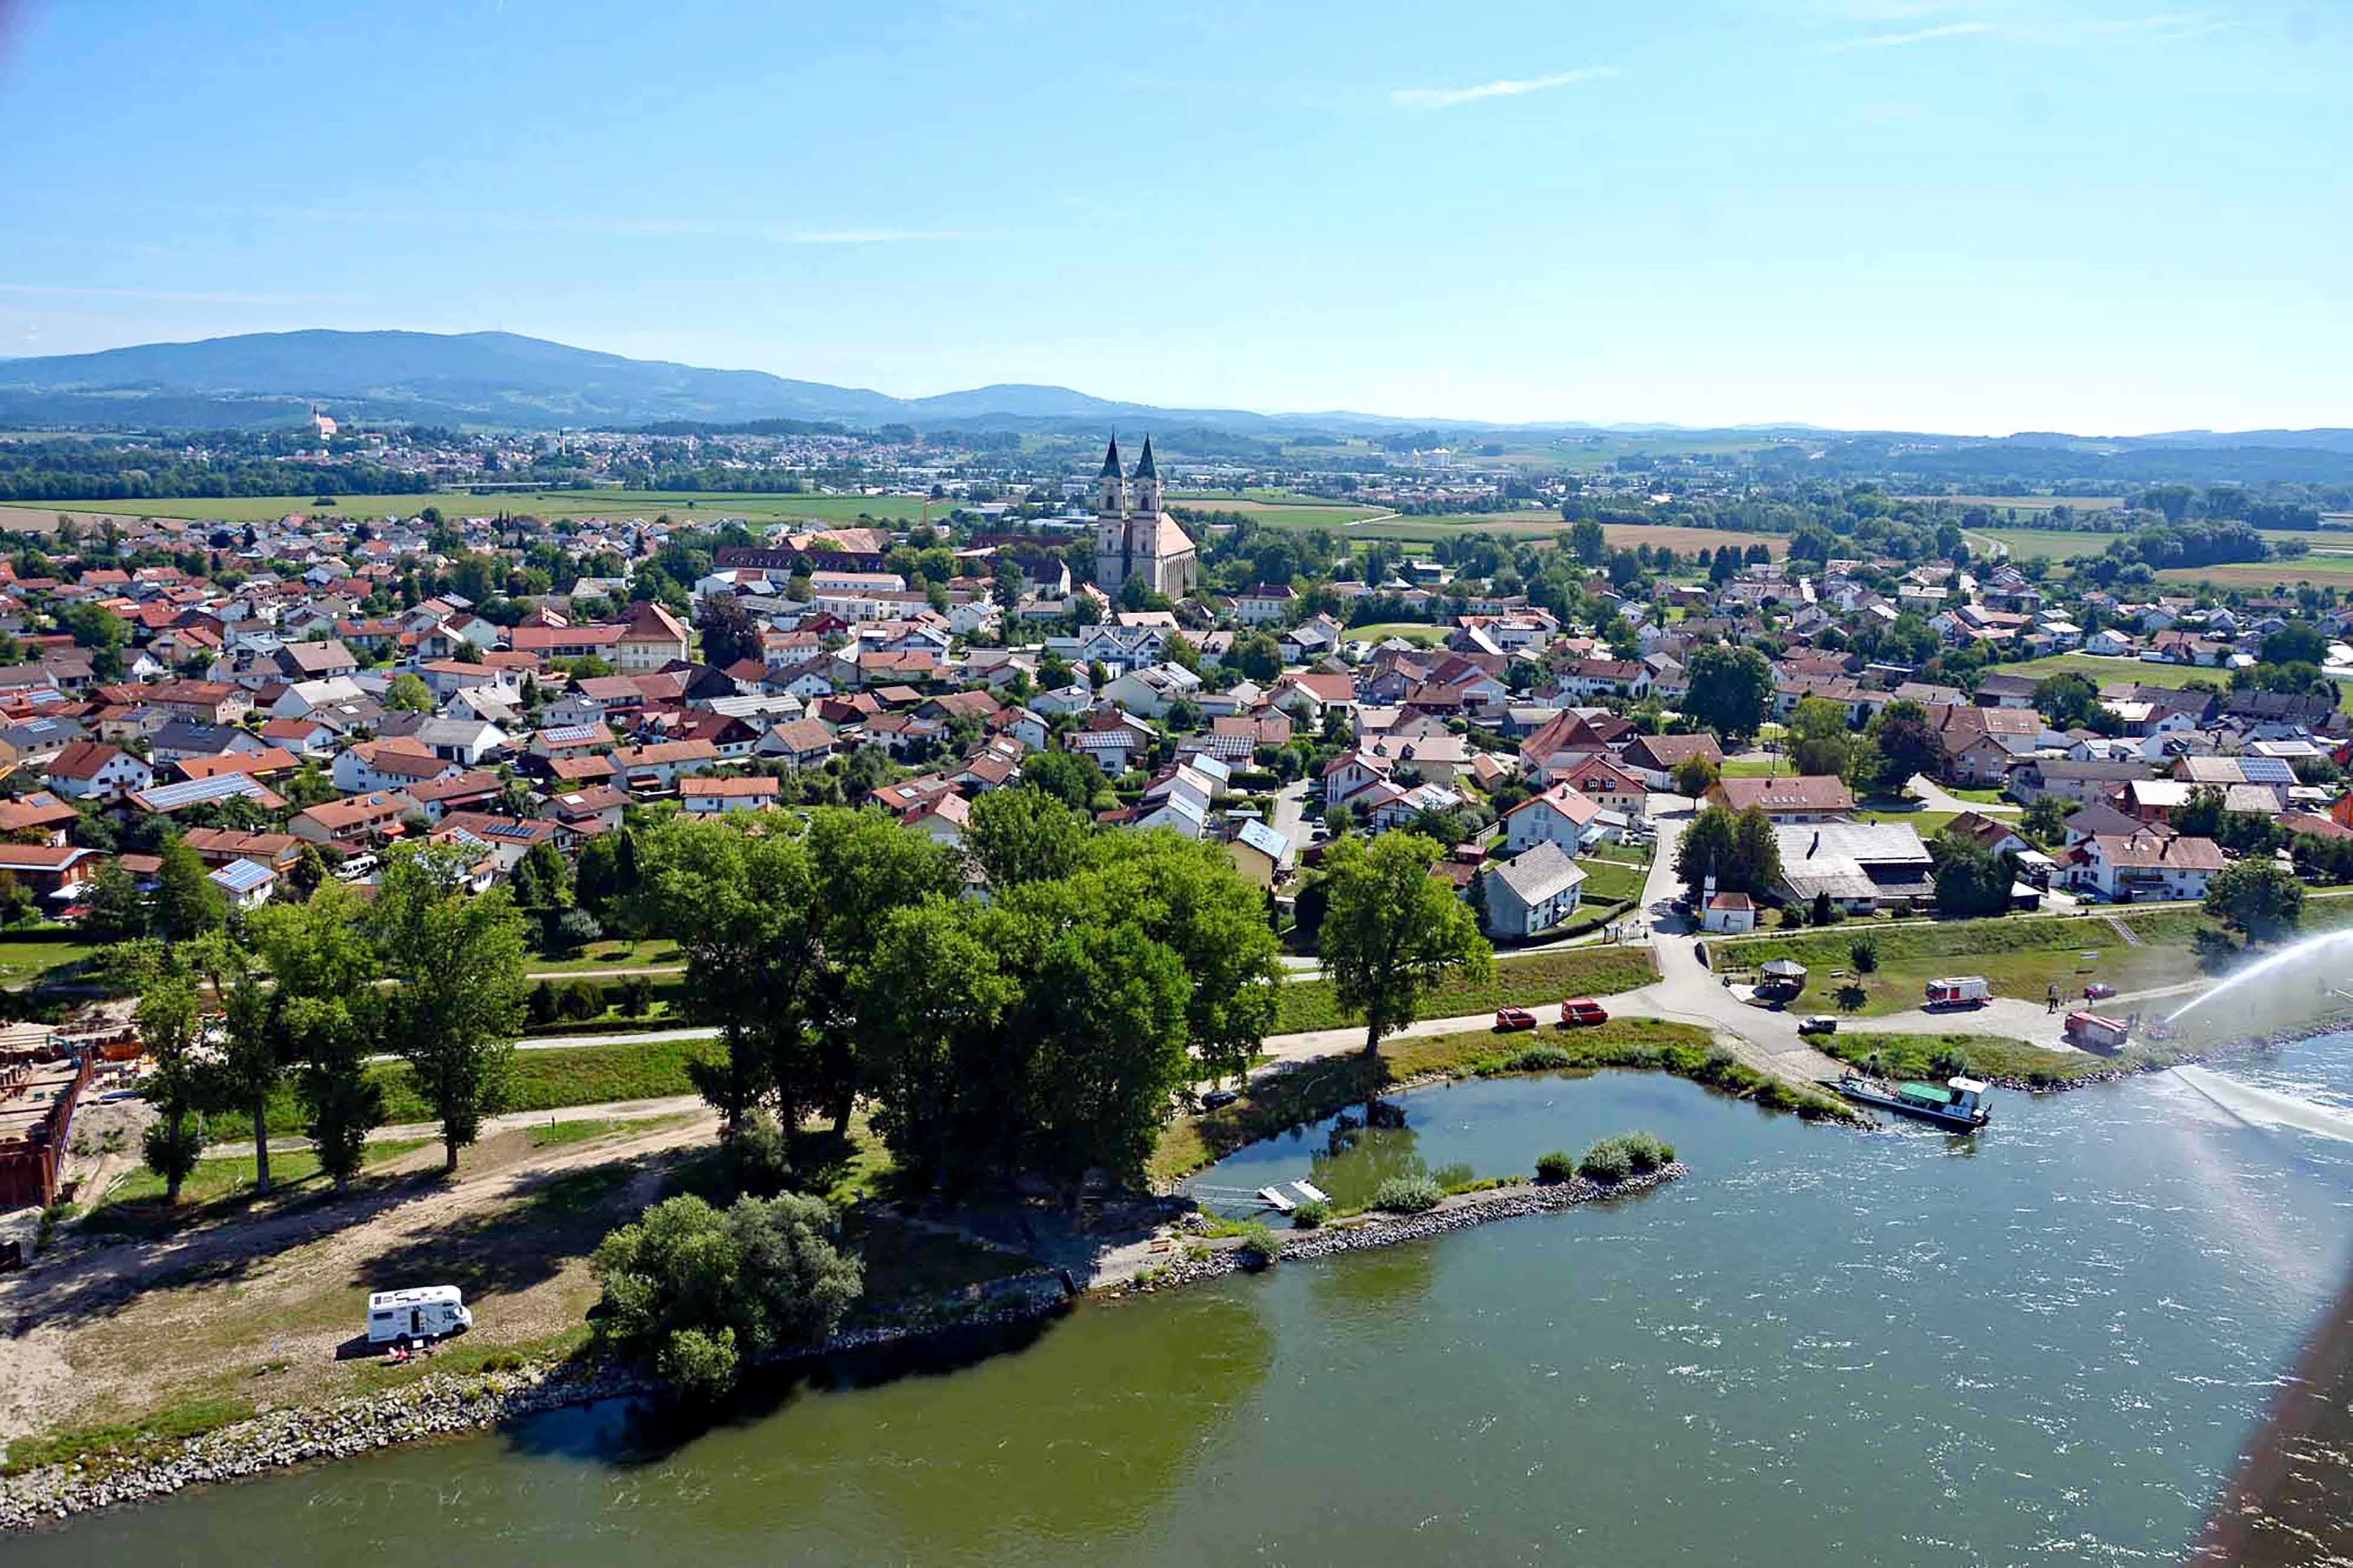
{"points": [[1316, 1090], [2021, 957], [1524, 981], [1982, 1055]]}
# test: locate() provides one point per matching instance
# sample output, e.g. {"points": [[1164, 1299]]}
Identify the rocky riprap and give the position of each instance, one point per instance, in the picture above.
{"points": [[1455, 1213], [437, 1404]]}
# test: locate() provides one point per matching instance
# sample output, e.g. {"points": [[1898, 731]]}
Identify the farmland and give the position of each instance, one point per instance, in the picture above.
{"points": [[2330, 569]]}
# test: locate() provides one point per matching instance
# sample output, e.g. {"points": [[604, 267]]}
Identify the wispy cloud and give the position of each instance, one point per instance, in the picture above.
{"points": [[1448, 97], [874, 236], [1899, 40]]}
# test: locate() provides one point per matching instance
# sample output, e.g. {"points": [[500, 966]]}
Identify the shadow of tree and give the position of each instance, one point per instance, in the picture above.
{"points": [[550, 1221]]}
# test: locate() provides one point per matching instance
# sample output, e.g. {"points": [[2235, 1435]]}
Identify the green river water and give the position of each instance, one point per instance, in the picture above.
{"points": [[2044, 1345]]}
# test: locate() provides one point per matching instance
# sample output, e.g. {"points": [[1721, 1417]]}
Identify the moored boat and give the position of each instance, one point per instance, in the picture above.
{"points": [[1959, 1103]]}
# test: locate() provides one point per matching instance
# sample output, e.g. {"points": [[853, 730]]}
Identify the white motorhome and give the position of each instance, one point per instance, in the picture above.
{"points": [[424, 1312]]}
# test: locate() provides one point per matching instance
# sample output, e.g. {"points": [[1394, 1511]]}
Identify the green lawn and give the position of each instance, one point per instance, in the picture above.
{"points": [[1526, 982], [613, 955], [1754, 767], [545, 1080], [2103, 670], [228, 1176], [1982, 796], [1928, 824], [2022, 958], [1985, 1057], [1419, 631], [1611, 881], [23, 962]]}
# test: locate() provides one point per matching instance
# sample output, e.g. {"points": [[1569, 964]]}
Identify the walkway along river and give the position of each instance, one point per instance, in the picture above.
{"points": [[2045, 1343]]}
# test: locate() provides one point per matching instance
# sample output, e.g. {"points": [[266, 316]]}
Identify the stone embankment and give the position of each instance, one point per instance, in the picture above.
{"points": [[1376, 1229], [437, 1404]]}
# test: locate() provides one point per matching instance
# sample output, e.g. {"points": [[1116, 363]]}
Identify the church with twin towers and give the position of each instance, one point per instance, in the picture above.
{"points": [[1135, 536]]}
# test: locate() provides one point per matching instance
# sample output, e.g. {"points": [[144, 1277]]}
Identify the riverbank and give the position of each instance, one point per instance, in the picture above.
{"points": [[437, 1405], [1360, 1233]]}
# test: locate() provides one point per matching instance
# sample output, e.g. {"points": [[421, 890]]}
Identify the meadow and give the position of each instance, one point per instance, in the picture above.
{"points": [[2103, 670]]}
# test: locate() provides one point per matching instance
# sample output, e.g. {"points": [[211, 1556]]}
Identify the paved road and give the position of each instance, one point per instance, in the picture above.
{"points": [[1934, 797]]}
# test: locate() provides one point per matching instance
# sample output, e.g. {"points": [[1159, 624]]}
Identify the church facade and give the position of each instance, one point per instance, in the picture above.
{"points": [[1134, 537]]}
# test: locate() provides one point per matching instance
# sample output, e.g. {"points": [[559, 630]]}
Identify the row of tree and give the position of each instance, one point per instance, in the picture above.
{"points": [[307, 994]]}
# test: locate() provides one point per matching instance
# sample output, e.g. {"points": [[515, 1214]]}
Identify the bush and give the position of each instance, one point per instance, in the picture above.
{"points": [[1538, 1059], [1408, 1195], [1258, 1249], [1311, 1215], [1608, 1161], [695, 1291], [582, 1001], [1555, 1166], [1647, 1150]]}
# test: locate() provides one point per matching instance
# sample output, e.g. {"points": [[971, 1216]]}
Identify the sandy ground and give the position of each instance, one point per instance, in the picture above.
{"points": [[258, 1307]]}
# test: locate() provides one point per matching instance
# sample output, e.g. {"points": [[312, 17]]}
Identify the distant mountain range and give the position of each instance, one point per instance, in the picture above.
{"points": [[494, 378]]}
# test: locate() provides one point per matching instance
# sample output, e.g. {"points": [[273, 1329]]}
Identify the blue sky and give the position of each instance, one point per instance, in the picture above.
{"points": [[1924, 214]]}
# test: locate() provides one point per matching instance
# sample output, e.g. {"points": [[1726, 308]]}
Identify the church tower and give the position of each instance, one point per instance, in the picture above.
{"points": [[1114, 508], [1147, 483]]}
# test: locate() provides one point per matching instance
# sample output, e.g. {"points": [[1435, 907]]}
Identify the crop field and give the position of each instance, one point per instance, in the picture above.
{"points": [[1299, 515], [2025, 505], [1421, 631], [2322, 569], [2045, 544]]}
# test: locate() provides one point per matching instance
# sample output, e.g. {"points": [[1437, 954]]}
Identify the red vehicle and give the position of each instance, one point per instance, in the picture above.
{"points": [[1580, 1011], [2098, 991], [1508, 1018]]}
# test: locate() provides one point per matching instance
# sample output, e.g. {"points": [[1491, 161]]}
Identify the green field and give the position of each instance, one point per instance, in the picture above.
{"points": [[30, 960], [2103, 670], [2046, 544], [1420, 631], [2025, 505], [2322, 570], [2022, 958]]}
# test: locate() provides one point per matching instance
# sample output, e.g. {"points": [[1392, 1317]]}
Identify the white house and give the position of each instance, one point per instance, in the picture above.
{"points": [[1562, 815], [1532, 892], [2123, 867]]}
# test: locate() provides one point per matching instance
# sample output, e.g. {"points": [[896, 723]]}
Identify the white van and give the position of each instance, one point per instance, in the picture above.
{"points": [[1962, 990], [426, 1312]]}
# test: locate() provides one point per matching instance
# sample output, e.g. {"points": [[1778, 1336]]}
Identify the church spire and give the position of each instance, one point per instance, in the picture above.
{"points": [[1144, 469], [1109, 469]]}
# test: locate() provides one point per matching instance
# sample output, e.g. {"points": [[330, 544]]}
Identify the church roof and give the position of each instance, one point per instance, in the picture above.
{"points": [[1110, 459], [1144, 469]]}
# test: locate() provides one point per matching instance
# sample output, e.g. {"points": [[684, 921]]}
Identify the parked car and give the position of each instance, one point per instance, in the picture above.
{"points": [[1217, 1097], [1509, 1018], [2098, 991], [1581, 1011], [1818, 1024]]}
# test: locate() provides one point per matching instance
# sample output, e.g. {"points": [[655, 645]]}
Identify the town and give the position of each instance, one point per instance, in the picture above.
{"points": [[343, 832]]}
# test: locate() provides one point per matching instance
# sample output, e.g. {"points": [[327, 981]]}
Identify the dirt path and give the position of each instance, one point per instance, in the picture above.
{"points": [[102, 1325]]}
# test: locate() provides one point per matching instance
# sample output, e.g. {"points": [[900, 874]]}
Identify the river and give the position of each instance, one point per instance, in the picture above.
{"points": [[2043, 1345]]}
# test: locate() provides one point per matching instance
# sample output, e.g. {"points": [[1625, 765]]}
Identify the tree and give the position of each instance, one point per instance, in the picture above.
{"points": [[1738, 849], [730, 635], [1067, 776], [1692, 776], [1731, 689], [324, 1001], [1823, 742], [1863, 953], [1906, 739], [1588, 542], [2260, 897], [1024, 836], [170, 1025], [187, 902], [1391, 930], [2068, 699], [116, 910], [460, 962], [695, 1291], [244, 1070], [409, 693], [1971, 881], [2045, 820]]}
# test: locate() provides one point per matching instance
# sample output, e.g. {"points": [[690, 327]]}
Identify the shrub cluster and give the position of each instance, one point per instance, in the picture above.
{"points": [[1538, 1059], [1408, 1195], [1258, 1249], [1628, 1154], [1556, 1166], [1311, 1215]]}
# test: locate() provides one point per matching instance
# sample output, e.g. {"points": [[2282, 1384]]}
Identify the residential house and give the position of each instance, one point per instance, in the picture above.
{"points": [[1532, 892], [1795, 798], [712, 797], [2126, 867], [94, 770]]}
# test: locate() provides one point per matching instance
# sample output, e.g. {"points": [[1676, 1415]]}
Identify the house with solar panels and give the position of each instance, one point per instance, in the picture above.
{"points": [[244, 884]]}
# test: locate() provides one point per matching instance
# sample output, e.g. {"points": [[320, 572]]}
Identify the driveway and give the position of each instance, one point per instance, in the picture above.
{"points": [[1934, 798]]}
